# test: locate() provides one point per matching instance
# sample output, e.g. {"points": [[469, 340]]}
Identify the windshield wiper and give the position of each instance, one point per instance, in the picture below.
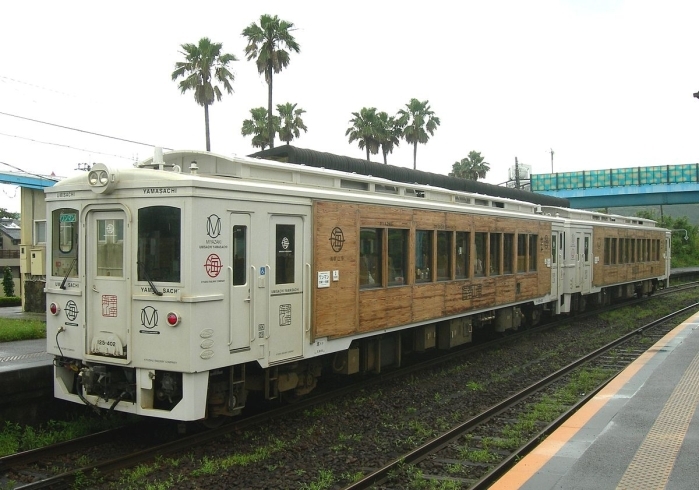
{"points": [[150, 283], [72, 264]]}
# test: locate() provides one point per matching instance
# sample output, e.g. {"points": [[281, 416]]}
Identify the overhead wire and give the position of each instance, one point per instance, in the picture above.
{"points": [[28, 173], [65, 146], [80, 130]]}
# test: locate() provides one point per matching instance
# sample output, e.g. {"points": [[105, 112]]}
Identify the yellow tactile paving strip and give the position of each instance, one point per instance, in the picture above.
{"points": [[542, 454], [653, 462]]}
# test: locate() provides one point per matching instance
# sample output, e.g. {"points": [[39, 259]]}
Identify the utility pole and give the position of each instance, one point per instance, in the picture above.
{"points": [[516, 174], [551, 160]]}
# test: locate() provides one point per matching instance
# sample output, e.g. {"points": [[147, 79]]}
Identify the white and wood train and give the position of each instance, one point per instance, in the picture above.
{"points": [[178, 287]]}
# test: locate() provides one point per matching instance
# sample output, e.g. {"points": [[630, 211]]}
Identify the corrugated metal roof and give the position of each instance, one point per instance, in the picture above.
{"points": [[11, 228], [291, 154]]}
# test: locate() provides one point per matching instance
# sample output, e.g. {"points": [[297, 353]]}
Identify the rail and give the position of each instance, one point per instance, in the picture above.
{"points": [[435, 445]]}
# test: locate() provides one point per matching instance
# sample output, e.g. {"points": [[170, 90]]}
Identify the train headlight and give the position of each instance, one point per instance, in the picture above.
{"points": [[102, 179], [173, 319], [54, 308]]}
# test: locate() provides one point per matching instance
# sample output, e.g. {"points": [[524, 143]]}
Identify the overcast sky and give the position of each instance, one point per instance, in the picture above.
{"points": [[604, 84]]}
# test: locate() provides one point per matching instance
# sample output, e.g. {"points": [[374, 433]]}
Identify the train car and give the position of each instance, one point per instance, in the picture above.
{"points": [[603, 257], [178, 288]]}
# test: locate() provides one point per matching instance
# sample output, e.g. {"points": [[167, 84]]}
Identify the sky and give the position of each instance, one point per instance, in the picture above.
{"points": [[601, 84]]}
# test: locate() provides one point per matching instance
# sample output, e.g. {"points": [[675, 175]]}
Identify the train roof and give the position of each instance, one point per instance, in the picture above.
{"points": [[207, 164], [594, 216], [301, 156]]}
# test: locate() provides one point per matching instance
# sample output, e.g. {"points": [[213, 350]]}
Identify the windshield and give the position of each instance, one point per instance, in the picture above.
{"points": [[64, 242], [159, 244]]}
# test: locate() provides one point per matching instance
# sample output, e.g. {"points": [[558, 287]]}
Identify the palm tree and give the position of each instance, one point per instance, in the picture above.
{"points": [[266, 43], [257, 126], [364, 130], [200, 61], [291, 123], [417, 120], [389, 133], [472, 167]]}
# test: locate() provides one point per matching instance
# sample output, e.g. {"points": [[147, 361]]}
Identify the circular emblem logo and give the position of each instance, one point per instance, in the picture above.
{"points": [[285, 243], [71, 310], [213, 265], [149, 317], [213, 226], [337, 239]]}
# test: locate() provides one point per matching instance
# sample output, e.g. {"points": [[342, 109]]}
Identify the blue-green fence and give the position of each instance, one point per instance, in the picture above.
{"points": [[615, 177]]}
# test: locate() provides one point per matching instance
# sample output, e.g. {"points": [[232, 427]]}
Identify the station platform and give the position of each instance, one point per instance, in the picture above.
{"points": [[23, 354], [641, 431]]}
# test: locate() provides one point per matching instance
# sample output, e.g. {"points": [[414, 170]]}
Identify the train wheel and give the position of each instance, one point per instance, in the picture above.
{"points": [[214, 422], [532, 316]]}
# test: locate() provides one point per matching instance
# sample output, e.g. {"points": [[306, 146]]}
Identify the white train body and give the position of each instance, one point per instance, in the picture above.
{"points": [[177, 287]]}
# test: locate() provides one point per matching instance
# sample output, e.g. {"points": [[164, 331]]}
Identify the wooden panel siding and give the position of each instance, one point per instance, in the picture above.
{"points": [[608, 274], [344, 309], [335, 309]]}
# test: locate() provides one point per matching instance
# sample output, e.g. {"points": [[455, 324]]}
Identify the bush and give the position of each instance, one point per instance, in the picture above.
{"points": [[8, 285], [10, 301]]}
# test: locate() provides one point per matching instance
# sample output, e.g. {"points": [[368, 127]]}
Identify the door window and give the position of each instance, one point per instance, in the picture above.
{"points": [[110, 247], [587, 249], [286, 247], [239, 255]]}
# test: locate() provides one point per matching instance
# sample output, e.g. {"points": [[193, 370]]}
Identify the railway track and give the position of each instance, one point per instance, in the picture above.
{"points": [[441, 450], [25, 464]]}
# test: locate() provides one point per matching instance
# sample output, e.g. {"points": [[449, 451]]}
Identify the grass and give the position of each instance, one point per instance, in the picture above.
{"points": [[12, 329], [15, 438]]}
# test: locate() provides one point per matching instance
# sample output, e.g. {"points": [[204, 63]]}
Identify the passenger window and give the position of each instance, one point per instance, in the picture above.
{"points": [[554, 250], [480, 254], [423, 256], [463, 254], [159, 244], [508, 252], [64, 259], [397, 256], [587, 249], [370, 263], [495, 240], [522, 253], [533, 239], [444, 255]]}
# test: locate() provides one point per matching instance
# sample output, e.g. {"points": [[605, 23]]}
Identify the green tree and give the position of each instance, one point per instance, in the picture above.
{"points": [[8, 285], [257, 127], [203, 67], [388, 133], [417, 120], [290, 122], [472, 167], [268, 43], [4, 213], [364, 130], [684, 242]]}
